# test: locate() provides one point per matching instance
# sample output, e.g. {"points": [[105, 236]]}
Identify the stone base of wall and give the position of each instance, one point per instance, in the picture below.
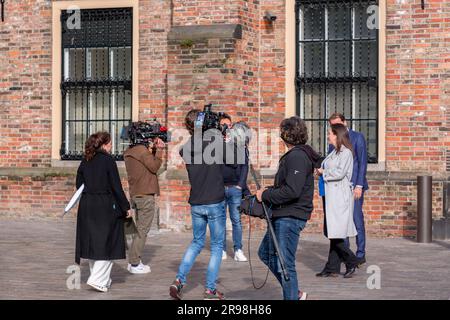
{"points": [[390, 204]]}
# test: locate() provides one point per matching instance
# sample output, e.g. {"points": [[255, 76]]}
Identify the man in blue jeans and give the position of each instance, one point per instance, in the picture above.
{"points": [[235, 180], [287, 231], [291, 203], [203, 215], [207, 208]]}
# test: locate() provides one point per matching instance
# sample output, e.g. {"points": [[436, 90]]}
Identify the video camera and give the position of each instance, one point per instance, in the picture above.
{"points": [[144, 132], [208, 119]]}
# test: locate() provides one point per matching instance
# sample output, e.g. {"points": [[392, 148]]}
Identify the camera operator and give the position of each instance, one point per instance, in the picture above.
{"points": [[207, 205], [235, 180], [142, 164], [291, 201]]}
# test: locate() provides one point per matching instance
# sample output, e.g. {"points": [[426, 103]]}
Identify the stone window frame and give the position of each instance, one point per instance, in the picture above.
{"points": [[290, 76], [57, 7]]}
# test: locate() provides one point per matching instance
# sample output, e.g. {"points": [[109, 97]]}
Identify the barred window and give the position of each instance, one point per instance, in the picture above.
{"points": [[337, 68], [96, 78]]}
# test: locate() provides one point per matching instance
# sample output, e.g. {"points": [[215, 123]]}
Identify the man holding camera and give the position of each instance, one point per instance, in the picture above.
{"points": [[207, 202], [142, 163]]}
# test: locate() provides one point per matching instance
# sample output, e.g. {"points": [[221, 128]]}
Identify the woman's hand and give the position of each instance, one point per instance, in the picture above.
{"points": [[319, 171]]}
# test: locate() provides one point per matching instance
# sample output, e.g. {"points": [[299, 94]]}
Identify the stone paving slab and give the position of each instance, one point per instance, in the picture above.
{"points": [[34, 257]]}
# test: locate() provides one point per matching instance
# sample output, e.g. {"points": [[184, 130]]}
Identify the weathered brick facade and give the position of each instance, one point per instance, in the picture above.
{"points": [[240, 67]]}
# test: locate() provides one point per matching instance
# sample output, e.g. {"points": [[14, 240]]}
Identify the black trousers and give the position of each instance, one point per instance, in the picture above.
{"points": [[339, 252]]}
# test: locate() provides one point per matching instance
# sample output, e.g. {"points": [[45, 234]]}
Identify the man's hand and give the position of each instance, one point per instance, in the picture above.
{"points": [[130, 214], [318, 171], [357, 193], [159, 143], [259, 193]]}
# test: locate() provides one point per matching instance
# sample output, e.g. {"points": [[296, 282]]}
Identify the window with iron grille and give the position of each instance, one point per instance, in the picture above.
{"points": [[337, 68], [96, 78]]}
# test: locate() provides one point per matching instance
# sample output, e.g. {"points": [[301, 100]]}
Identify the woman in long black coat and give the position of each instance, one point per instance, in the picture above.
{"points": [[101, 212]]}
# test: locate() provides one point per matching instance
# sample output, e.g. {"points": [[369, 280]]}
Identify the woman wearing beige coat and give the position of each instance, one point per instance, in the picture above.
{"points": [[337, 171]]}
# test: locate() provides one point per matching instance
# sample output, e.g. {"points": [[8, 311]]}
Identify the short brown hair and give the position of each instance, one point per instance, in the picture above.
{"points": [[94, 143], [189, 120], [294, 131], [337, 115], [224, 115]]}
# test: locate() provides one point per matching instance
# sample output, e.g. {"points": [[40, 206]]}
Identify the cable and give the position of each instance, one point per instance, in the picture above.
{"points": [[250, 258]]}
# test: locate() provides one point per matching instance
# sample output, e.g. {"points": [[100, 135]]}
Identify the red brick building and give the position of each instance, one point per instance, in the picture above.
{"points": [[65, 74]]}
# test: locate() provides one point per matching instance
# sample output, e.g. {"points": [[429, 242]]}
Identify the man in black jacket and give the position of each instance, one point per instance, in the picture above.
{"points": [[204, 157], [291, 202]]}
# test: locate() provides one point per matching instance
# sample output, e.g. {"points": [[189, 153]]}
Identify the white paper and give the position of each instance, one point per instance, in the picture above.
{"points": [[74, 199]]}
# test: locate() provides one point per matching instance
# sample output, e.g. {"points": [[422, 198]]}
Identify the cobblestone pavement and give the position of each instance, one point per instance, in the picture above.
{"points": [[35, 254]]}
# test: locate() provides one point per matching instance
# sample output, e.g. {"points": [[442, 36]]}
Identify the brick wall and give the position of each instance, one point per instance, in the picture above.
{"points": [[154, 25], [25, 84], [205, 12], [417, 85]]}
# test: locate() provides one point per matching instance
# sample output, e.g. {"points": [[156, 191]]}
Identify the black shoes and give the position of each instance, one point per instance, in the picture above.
{"points": [[326, 274], [349, 272], [175, 289], [361, 261]]}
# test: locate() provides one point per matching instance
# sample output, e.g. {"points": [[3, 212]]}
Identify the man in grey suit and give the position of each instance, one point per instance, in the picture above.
{"points": [[359, 181]]}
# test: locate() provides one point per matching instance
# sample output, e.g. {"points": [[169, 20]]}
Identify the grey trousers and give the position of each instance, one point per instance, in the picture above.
{"points": [[145, 211]]}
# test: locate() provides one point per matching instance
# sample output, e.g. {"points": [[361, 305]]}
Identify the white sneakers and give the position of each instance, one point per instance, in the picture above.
{"points": [[139, 269], [97, 287], [302, 296], [238, 256]]}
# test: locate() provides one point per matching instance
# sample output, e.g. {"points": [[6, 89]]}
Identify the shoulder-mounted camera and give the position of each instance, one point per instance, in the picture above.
{"points": [[207, 119], [144, 133]]}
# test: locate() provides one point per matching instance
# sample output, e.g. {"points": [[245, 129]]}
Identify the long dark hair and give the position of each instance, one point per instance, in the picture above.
{"points": [[343, 138], [94, 143]]}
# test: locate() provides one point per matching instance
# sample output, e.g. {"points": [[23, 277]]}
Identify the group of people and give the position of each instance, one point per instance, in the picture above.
{"points": [[216, 187], [104, 208]]}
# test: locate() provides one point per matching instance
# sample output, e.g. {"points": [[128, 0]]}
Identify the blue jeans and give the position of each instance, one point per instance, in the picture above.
{"points": [[212, 215], [287, 231], [233, 197], [358, 218]]}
